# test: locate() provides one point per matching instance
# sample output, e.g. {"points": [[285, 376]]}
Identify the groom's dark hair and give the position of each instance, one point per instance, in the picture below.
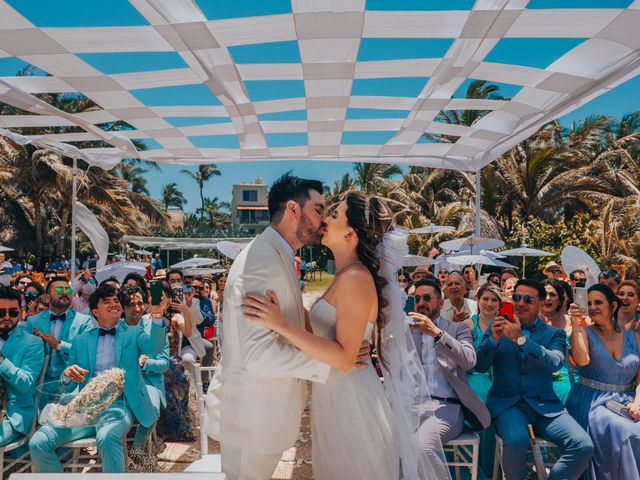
{"points": [[289, 187]]}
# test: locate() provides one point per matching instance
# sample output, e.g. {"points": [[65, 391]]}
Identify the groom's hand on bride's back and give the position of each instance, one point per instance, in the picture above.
{"points": [[362, 361]]}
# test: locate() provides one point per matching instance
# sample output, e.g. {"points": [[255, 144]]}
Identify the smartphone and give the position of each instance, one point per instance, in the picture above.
{"points": [[506, 311], [580, 298], [410, 305], [156, 292], [177, 294], [187, 289]]}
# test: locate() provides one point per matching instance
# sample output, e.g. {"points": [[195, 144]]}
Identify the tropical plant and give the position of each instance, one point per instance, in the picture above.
{"points": [[172, 197], [203, 175], [372, 177]]}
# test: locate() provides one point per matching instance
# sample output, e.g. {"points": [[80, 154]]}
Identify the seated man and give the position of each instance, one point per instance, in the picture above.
{"points": [[446, 351], [109, 344], [21, 361], [134, 302], [524, 356], [57, 327]]}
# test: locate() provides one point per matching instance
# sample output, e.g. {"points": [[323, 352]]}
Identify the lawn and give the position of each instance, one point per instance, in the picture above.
{"points": [[319, 286]]}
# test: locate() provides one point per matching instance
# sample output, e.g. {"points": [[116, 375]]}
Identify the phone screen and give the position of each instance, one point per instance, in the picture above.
{"points": [[156, 292], [506, 311], [580, 297], [410, 305], [177, 294]]}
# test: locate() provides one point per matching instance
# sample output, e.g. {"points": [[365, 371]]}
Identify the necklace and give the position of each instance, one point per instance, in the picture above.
{"points": [[604, 336]]}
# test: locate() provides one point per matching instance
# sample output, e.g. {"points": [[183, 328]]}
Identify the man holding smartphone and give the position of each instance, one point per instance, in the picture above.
{"points": [[524, 355]]}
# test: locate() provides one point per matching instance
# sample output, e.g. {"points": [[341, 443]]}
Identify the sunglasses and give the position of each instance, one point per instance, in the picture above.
{"points": [[49, 278], [554, 271], [528, 299], [9, 312], [426, 297], [61, 290], [24, 282]]}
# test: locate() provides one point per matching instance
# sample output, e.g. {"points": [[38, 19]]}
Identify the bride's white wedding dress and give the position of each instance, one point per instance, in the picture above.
{"points": [[352, 437]]}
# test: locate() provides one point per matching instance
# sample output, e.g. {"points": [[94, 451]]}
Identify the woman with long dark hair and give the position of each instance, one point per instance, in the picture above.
{"points": [[608, 362]]}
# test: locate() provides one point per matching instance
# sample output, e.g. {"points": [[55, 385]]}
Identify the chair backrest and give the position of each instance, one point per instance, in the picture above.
{"points": [[201, 401], [43, 373]]}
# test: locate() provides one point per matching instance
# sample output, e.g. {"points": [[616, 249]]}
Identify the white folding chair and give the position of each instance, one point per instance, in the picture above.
{"points": [[465, 449], [550, 459], [77, 460], [22, 460]]}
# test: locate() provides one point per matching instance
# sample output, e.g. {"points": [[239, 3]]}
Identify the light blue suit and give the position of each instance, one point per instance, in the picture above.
{"points": [[113, 424], [522, 393], [74, 324], [23, 362], [153, 374]]}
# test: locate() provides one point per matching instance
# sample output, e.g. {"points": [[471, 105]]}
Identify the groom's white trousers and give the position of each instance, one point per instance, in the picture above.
{"points": [[242, 464]]}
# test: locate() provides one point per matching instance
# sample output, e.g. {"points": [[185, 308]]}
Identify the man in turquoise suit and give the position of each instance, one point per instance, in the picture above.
{"points": [[21, 361], [57, 327], [135, 303], [524, 355], [109, 344]]}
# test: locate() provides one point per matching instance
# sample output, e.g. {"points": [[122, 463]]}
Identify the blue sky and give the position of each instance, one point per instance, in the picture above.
{"points": [[619, 101]]}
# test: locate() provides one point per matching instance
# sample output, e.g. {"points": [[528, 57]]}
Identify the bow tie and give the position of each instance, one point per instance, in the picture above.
{"points": [[5, 335], [107, 331], [530, 327], [62, 317]]}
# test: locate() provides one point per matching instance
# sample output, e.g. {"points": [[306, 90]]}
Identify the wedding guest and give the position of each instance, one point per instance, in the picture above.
{"points": [[629, 313], [578, 278], [112, 281], [494, 278], [208, 315], [108, 344], [457, 308], [507, 289], [134, 301], [221, 284], [608, 361], [470, 281], [57, 327], [443, 273], [551, 309], [31, 294], [524, 356], [506, 274], [553, 271], [610, 278], [208, 290], [446, 352], [21, 361]]}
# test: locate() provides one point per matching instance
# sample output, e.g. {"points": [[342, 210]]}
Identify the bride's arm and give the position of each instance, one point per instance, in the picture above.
{"points": [[355, 295]]}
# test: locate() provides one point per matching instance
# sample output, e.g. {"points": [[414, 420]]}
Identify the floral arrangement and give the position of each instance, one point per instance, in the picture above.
{"points": [[91, 402]]}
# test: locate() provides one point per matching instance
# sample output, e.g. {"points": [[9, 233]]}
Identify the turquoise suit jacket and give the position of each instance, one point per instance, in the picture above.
{"points": [[525, 374], [153, 371], [130, 343], [23, 362], [75, 324]]}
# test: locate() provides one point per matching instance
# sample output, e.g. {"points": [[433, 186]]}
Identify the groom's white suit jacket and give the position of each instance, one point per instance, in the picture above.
{"points": [[257, 397]]}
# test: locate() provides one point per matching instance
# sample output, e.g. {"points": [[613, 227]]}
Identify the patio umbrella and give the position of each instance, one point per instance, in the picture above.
{"points": [[203, 271], [574, 258], [143, 252], [5, 249], [120, 270], [416, 260], [524, 251], [479, 243], [230, 249], [196, 262], [477, 260], [432, 229]]}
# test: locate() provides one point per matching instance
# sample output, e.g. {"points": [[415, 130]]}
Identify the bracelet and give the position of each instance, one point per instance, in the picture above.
{"points": [[438, 337]]}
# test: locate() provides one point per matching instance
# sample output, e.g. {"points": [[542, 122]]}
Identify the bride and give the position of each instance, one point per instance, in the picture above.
{"points": [[356, 434]]}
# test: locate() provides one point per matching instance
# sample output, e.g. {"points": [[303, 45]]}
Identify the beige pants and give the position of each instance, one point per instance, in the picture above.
{"points": [[241, 464]]}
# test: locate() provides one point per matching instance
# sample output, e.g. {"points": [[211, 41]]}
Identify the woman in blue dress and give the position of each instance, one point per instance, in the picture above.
{"points": [[609, 367]]}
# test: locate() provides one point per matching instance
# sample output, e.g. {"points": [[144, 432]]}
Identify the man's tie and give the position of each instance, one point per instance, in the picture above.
{"points": [[62, 317], [530, 327], [106, 331]]}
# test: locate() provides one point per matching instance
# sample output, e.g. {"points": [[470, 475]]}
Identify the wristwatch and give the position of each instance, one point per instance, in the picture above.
{"points": [[521, 340]]}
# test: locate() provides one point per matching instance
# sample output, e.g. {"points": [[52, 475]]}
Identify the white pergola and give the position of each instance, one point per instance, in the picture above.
{"points": [[339, 80]]}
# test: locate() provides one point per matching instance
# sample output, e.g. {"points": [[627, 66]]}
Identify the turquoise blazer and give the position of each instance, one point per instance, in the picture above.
{"points": [[23, 362], [75, 324], [130, 343], [153, 371], [525, 374]]}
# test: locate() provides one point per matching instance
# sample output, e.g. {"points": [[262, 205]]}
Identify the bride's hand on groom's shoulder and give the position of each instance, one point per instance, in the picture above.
{"points": [[265, 310]]}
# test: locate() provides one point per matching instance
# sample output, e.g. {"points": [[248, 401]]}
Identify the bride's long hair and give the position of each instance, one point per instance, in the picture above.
{"points": [[371, 219]]}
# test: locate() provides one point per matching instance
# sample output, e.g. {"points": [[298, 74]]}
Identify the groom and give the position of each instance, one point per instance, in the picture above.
{"points": [[257, 397]]}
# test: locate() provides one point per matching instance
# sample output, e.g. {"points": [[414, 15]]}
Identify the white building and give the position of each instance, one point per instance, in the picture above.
{"points": [[249, 206]]}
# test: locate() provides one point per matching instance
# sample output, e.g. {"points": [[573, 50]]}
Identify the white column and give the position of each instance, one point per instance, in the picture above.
{"points": [[478, 192], [74, 193]]}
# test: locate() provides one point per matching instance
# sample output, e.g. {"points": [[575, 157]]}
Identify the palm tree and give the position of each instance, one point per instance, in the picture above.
{"points": [[204, 174], [213, 208], [371, 177], [172, 197], [333, 196], [133, 175]]}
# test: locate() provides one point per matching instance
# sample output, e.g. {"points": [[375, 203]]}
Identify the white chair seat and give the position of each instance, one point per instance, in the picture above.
{"points": [[207, 464], [466, 452], [81, 443]]}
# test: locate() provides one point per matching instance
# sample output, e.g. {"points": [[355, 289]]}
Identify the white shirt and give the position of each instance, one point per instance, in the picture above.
{"points": [[291, 253], [436, 379], [469, 306]]}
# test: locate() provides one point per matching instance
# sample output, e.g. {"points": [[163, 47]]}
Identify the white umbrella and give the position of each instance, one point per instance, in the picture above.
{"points": [[120, 270], [5, 249], [230, 249], [203, 271], [416, 260], [477, 260], [196, 262], [143, 252], [432, 229], [574, 258], [524, 251], [480, 243]]}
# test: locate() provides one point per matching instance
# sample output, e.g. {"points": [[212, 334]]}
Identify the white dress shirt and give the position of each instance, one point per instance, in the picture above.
{"points": [[291, 253], [436, 380], [105, 354]]}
